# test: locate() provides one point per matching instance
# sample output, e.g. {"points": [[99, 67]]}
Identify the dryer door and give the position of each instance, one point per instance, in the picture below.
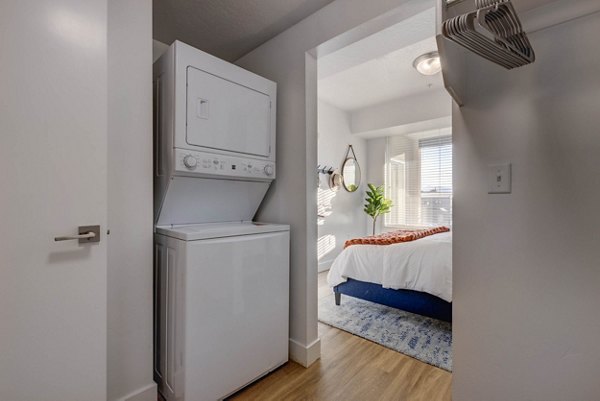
{"points": [[224, 115]]}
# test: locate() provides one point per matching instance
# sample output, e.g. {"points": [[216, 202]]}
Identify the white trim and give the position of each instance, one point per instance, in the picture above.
{"points": [[325, 265], [146, 393], [305, 355], [557, 13]]}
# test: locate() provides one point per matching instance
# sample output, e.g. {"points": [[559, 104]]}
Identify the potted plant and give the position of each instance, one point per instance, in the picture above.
{"points": [[377, 204]]}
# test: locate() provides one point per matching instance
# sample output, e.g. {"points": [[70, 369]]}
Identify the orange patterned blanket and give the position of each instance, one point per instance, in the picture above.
{"points": [[395, 237]]}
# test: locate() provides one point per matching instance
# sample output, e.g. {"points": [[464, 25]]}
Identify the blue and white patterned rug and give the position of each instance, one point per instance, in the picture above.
{"points": [[428, 340]]}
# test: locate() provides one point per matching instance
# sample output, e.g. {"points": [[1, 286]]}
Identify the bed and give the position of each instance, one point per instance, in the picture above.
{"points": [[414, 276]]}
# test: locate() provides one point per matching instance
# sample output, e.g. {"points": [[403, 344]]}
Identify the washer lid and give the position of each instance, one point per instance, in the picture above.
{"points": [[219, 230]]}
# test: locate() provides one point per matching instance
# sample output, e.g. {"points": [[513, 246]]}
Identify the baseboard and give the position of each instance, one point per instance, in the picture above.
{"points": [[146, 393], [305, 355], [324, 266]]}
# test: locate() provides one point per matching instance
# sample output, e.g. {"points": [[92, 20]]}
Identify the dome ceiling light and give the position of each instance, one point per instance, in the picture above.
{"points": [[428, 63]]}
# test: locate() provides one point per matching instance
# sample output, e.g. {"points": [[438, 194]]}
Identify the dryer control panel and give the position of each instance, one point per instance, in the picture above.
{"points": [[187, 161]]}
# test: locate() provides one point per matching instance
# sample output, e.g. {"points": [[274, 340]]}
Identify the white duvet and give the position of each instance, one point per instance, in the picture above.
{"points": [[423, 265]]}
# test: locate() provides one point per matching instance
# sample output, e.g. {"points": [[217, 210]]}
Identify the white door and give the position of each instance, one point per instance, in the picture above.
{"points": [[53, 117]]}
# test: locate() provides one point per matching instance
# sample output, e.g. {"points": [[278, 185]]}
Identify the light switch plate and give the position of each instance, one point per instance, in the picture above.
{"points": [[499, 178]]}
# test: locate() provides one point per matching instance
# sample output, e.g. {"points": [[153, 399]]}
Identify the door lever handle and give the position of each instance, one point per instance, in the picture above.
{"points": [[86, 235]]}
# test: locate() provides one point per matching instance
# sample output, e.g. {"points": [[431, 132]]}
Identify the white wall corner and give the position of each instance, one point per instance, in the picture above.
{"points": [[146, 393], [305, 355], [158, 48]]}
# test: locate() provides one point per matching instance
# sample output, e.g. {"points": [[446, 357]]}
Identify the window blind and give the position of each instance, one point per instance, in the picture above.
{"points": [[418, 179]]}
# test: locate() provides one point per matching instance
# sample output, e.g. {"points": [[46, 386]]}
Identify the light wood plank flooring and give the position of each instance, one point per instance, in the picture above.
{"points": [[352, 368]]}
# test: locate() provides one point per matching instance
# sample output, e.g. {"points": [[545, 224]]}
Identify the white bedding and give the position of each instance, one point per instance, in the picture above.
{"points": [[423, 265]]}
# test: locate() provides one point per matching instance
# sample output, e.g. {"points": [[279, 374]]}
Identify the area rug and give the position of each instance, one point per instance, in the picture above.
{"points": [[428, 340]]}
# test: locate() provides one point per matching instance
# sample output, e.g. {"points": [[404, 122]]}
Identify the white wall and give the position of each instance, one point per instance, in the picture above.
{"points": [[527, 265], [292, 198], [130, 200], [345, 218], [429, 106], [376, 161]]}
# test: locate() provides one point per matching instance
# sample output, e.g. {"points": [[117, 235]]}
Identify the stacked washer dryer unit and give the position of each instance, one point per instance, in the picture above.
{"points": [[221, 281]]}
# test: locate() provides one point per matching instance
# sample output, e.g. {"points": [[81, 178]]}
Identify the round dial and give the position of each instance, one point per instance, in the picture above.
{"points": [[190, 161], [268, 169]]}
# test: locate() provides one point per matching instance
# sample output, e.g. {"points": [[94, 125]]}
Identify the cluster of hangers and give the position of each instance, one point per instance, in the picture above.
{"points": [[493, 31]]}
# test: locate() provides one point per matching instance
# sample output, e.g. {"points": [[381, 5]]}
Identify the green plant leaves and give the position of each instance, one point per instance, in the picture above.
{"points": [[377, 204]]}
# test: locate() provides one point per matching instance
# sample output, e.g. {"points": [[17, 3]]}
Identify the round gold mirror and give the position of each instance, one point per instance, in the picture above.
{"points": [[351, 174]]}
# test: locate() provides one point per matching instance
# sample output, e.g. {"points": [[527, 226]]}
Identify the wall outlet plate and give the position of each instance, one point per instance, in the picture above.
{"points": [[500, 178]]}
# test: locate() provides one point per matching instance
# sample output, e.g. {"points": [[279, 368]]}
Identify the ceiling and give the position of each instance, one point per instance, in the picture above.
{"points": [[380, 80], [227, 28], [380, 68], [231, 28], [406, 32]]}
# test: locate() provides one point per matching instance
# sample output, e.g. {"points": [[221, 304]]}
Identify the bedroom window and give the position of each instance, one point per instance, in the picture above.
{"points": [[418, 176]]}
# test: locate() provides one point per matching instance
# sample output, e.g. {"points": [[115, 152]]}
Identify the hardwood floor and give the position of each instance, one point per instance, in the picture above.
{"points": [[352, 368]]}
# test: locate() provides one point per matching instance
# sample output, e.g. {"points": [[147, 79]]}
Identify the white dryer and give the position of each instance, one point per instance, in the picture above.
{"points": [[214, 138], [221, 280]]}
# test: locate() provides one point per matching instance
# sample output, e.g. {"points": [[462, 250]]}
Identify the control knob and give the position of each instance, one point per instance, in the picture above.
{"points": [[269, 170], [190, 162]]}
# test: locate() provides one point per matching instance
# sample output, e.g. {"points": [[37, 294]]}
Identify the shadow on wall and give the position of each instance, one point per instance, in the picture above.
{"points": [[325, 245], [324, 204]]}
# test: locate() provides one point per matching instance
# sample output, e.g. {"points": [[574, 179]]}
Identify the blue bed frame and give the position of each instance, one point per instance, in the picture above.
{"points": [[411, 301]]}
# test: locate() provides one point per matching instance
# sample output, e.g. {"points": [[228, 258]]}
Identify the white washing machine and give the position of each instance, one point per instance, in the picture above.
{"points": [[222, 307], [221, 280]]}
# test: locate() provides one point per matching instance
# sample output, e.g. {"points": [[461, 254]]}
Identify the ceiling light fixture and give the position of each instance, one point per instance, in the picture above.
{"points": [[428, 63]]}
